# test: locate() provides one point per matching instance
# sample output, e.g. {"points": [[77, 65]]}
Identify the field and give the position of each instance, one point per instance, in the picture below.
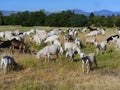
{"points": [[62, 74]]}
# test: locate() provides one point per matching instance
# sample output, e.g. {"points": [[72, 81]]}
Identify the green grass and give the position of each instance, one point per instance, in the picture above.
{"points": [[62, 74]]}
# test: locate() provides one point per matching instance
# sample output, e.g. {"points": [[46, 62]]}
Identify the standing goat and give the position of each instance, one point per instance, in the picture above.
{"points": [[70, 53], [6, 62], [88, 60], [101, 46], [78, 41]]}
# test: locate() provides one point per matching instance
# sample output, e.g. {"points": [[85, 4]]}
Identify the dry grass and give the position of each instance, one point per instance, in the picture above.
{"points": [[62, 74]]}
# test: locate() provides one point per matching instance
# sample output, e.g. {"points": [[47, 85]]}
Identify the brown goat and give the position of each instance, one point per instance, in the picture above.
{"points": [[18, 45]]}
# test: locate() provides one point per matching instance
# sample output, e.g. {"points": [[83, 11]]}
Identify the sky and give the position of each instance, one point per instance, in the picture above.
{"points": [[58, 5]]}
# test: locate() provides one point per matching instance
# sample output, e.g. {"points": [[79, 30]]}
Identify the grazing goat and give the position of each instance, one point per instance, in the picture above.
{"points": [[54, 32], [51, 39], [39, 38], [71, 45], [18, 45], [92, 33], [49, 50], [7, 61], [57, 42], [36, 38], [88, 60]]}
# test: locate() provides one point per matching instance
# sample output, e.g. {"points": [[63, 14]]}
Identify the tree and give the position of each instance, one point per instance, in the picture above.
{"points": [[91, 15], [38, 18], [90, 19], [78, 20], [1, 18], [110, 22]]}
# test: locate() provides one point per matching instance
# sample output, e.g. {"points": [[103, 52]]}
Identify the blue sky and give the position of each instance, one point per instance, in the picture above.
{"points": [[57, 5]]}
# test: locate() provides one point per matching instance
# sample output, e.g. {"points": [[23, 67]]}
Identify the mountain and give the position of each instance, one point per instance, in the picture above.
{"points": [[105, 13], [97, 13], [7, 13], [79, 11], [76, 11]]}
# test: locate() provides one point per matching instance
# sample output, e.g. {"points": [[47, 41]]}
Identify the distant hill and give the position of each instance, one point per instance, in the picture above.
{"points": [[97, 13], [106, 13], [7, 13], [76, 11], [79, 11]]}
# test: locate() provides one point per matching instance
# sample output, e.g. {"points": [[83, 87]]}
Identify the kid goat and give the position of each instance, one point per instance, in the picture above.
{"points": [[87, 60], [6, 62]]}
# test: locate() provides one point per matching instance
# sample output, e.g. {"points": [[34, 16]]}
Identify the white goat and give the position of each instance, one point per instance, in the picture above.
{"points": [[16, 32], [39, 37], [54, 32], [51, 39], [2, 35], [102, 31], [36, 39], [71, 45], [84, 29], [101, 46], [37, 31], [78, 41], [57, 42], [92, 33], [49, 50], [70, 53], [8, 35]]}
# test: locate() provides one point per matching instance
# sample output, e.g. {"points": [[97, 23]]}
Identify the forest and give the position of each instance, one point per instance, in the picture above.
{"points": [[62, 19]]}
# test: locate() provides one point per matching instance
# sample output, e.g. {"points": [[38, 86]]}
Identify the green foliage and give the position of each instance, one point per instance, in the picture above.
{"points": [[62, 19], [91, 15], [78, 20], [1, 18]]}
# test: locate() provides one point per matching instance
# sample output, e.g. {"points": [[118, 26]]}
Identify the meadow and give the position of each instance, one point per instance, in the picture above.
{"points": [[35, 74]]}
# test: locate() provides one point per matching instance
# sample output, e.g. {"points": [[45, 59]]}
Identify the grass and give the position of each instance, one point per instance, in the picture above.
{"points": [[62, 74]]}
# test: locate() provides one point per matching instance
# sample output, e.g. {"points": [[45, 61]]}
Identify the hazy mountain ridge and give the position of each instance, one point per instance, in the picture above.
{"points": [[76, 11], [7, 13]]}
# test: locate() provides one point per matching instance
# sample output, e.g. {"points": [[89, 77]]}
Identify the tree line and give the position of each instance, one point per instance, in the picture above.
{"points": [[62, 19]]}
